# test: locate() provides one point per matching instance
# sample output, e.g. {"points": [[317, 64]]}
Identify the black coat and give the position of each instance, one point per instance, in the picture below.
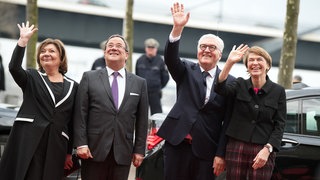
{"points": [[154, 71], [255, 118], [39, 116]]}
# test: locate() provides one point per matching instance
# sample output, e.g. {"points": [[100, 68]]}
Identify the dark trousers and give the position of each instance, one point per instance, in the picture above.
{"points": [[181, 164], [106, 170], [155, 102]]}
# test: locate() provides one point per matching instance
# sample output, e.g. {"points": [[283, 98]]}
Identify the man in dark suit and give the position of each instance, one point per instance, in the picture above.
{"points": [[194, 130], [111, 130]]}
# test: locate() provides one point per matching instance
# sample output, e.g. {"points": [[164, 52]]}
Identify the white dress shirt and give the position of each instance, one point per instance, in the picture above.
{"points": [[121, 82]]}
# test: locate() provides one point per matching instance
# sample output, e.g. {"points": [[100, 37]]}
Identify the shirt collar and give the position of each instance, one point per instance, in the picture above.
{"points": [[212, 71], [122, 72]]}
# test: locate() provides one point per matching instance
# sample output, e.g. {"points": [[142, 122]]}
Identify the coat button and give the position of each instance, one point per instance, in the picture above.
{"points": [[256, 106]]}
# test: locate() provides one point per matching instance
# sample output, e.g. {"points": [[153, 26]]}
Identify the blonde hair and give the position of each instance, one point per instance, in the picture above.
{"points": [[259, 51]]}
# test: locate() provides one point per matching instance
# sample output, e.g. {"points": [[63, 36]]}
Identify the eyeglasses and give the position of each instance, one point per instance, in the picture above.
{"points": [[150, 47], [212, 48], [117, 46]]}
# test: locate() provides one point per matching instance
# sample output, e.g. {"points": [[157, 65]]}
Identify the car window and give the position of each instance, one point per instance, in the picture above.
{"points": [[311, 116], [292, 123]]}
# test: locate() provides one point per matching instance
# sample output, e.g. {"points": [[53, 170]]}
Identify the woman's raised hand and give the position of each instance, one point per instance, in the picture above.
{"points": [[236, 54], [26, 31]]}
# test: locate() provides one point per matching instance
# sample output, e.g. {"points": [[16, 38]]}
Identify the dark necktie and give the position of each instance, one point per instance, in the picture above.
{"points": [[114, 88], [205, 74]]}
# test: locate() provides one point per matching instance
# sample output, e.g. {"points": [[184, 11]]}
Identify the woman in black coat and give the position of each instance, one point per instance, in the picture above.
{"points": [[258, 116], [39, 145]]}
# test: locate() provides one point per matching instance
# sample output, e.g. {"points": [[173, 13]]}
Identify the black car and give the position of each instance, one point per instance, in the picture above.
{"points": [[299, 156], [7, 116]]}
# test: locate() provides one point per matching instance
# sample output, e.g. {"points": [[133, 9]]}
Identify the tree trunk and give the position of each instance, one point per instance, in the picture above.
{"points": [[128, 26], [288, 52], [32, 17]]}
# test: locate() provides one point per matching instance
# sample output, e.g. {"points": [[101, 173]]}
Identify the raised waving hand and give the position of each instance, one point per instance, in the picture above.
{"points": [[180, 19], [235, 56], [26, 31]]}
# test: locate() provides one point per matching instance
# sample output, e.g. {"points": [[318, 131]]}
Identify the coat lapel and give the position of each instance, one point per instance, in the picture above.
{"points": [[199, 80], [213, 93], [42, 75], [129, 84], [68, 86], [105, 82]]}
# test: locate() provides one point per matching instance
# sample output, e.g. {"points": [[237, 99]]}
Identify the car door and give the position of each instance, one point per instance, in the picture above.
{"points": [[299, 156]]}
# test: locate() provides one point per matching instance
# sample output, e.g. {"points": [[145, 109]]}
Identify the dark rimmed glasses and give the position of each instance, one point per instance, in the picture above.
{"points": [[212, 48]]}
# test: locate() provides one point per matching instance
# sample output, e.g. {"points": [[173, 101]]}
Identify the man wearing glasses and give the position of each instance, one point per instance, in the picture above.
{"points": [[194, 129], [111, 117]]}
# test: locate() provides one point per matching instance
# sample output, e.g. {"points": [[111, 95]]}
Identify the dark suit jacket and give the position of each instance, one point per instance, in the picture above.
{"points": [[100, 125], [40, 115], [206, 123]]}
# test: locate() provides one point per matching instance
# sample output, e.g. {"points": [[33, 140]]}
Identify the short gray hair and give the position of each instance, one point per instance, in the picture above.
{"points": [[220, 43]]}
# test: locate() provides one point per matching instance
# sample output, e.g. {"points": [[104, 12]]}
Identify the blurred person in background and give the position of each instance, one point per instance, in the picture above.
{"points": [[297, 82], [100, 62], [151, 67]]}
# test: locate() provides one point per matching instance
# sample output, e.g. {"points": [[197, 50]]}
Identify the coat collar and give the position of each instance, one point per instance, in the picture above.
{"points": [[68, 84], [265, 88]]}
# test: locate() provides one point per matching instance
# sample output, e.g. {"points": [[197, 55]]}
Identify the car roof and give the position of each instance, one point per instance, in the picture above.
{"points": [[304, 92], [7, 115]]}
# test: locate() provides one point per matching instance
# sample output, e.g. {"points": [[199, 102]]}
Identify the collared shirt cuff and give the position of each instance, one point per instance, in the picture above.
{"points": [[173, 39], [83, 146]]}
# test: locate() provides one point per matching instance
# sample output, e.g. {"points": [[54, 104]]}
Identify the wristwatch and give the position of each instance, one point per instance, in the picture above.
{"points": [[269, 147]]}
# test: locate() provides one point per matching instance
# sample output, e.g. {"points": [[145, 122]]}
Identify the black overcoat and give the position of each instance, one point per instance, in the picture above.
{"points": [[39, 115]]}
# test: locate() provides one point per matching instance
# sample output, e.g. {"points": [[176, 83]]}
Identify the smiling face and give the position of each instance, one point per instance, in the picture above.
{"points": [[258, 61], [257, 66], [116, 53], [49, 57], [209, 52]]}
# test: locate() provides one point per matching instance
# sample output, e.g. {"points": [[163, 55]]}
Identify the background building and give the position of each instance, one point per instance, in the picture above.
{"points": [[83, 24]]}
